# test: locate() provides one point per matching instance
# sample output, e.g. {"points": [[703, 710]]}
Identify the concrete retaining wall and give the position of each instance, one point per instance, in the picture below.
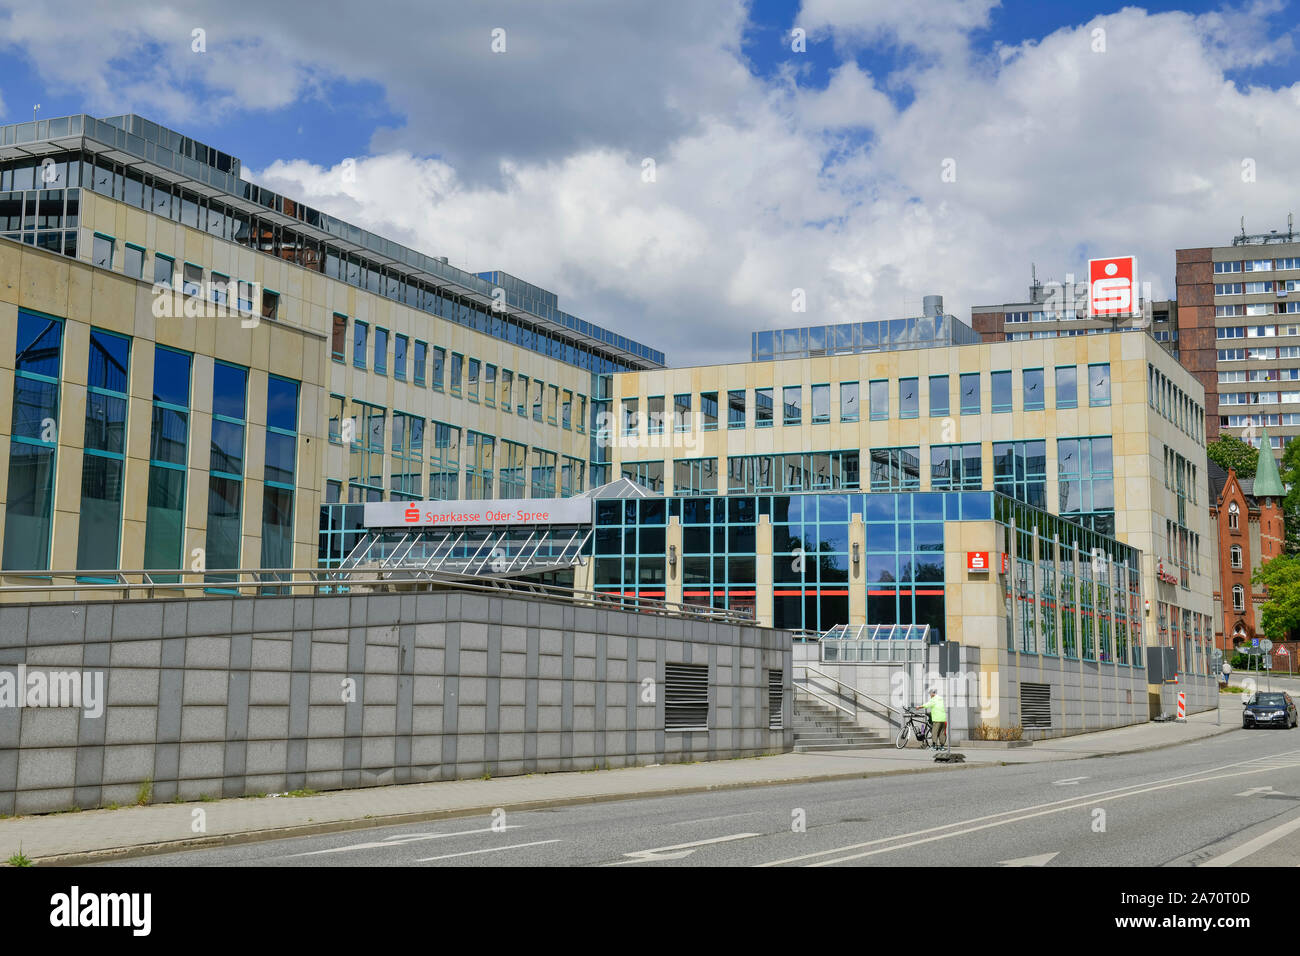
{"points": [[230, 696]]}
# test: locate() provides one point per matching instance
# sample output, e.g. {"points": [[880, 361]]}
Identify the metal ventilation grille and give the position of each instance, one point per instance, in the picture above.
{"points": [[775, 700], [1035, 705], [686, 696]]}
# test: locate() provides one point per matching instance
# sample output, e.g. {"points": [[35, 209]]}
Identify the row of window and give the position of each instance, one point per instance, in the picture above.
{"points": [[34, 456], [1175, 405], [1259, 354], [1255, 265], [482, 467], [1256, 288], [881, 394], [473, 379]]}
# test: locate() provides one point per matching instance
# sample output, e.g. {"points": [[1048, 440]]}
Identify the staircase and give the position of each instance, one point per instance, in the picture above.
{"points": [[818, 726]]}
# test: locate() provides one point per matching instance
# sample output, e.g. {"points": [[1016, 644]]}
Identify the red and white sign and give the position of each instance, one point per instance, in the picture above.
{"points": [[1112, 286], [1182, 705], [1283, 652], [1006, 562], [977, 561]]}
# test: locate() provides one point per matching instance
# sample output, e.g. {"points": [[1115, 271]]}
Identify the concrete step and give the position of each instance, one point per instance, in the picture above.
{"points": [[834, 741], [816, 748]]}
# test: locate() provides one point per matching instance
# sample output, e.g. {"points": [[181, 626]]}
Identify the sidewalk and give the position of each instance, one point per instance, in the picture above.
{"points": [[91, 835]]}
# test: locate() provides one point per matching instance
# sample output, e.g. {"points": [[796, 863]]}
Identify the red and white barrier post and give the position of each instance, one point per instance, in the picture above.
{"points": [[1182, 705]]}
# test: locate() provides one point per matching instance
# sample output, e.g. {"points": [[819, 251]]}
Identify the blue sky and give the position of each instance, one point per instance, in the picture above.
{"points": [[774, 171]]}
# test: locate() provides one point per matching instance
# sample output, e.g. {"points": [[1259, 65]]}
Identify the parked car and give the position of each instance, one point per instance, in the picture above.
{"points": [[1270, 710]]}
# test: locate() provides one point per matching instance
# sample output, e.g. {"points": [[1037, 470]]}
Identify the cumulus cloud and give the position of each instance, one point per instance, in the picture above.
{"points": [[1049, 150]]}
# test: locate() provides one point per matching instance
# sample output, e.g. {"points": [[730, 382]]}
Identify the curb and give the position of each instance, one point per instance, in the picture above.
{"points": [[422, 816]]}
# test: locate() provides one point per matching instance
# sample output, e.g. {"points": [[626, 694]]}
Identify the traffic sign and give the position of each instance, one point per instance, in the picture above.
{"points": [[1284, 652], [1266, 645], [1254, 642]]}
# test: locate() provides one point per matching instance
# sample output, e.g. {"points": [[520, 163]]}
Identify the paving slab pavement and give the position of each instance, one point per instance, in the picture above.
{"points": [[90, 835]]}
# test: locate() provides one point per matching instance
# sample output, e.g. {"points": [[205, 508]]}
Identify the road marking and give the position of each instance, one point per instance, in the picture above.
{"points": [[1252, 846], [1054, 806], [1254, 790], [727, 816], [677, 851], [400, 839], [491, 849], [1069, 781], [1041, 860]]}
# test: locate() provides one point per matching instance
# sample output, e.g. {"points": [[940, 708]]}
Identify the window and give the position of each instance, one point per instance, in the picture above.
{"points": [[474, 370], [1085, 470], [33, 443], [444, 459], [566, 407], [1067, 386], [539, 388], [631, 423], [581, 423], [848, 401], [163, 267], [381, 351], [1238, 598], [191, 278], [1099, 384], [360, 333], [763, 408], [278, 483], [507, 385], [103, 463], [970, 393], [909, 398], [821, 404], [895, 469], [419, 359], [164, 535], [736, 408], [521, 407], [270, 305], [490, 385], [1001, 382], [654, 408], [878, 396], [552, 403], [709, 409], [1020, 470], [102, 251], [1234, 514], [339, 338], [792, 400], [682, 411], [479, 465], [1236, 556], [400, 344], [938, 396], [1034, 394], [226, 466], [956, 467], [439, 362], [457, 371], [133, 262]]}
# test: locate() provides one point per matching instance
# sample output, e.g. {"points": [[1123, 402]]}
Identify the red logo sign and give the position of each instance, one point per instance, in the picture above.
{"points": [[411, 514], [977, 561], [1112, 286]]}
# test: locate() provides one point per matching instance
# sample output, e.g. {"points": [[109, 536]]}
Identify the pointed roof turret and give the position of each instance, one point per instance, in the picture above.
{"points": [[1268, 483]]}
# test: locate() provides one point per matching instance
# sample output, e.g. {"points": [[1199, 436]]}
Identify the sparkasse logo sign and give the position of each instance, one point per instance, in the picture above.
{"points": [[1112, 286]]}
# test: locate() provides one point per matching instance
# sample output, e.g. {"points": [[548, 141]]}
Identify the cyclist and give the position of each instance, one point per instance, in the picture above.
{"points": [[938, 719]]}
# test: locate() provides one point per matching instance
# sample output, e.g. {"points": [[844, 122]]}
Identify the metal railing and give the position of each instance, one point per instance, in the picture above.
{"points": [[76, 585], [842, 690]]}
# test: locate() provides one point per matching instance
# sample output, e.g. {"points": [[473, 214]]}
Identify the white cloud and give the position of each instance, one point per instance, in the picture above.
{"points": [[1060, 151]]}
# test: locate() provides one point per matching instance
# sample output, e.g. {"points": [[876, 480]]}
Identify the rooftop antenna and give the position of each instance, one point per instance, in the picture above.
{"points": [[1290, 226], [1243, 227], [34, 109], [1035, 287]]}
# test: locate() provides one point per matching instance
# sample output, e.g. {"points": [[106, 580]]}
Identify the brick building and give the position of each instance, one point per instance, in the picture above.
{"points": [[1248, 517]]}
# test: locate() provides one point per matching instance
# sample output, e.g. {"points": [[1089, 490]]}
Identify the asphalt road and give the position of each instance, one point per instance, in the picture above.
{"points": [[1231, 800]]}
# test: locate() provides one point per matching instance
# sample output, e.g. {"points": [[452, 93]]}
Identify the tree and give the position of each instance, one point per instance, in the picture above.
{"points": [[1290, 475], [1280, 615], [1231, 452]]}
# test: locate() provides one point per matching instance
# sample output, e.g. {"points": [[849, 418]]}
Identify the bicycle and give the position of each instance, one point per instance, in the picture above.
{"points": [[917, 721]]}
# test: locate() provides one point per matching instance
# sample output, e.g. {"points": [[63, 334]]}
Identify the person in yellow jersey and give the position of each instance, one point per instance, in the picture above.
{"points": [[938, 719]]}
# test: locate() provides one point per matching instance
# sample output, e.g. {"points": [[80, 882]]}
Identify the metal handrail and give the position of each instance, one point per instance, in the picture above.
{"points": [[315, 579], [850, 688], [828, 701]]}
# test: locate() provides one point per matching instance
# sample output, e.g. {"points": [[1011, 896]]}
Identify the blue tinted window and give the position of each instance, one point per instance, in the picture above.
{"points": [[39, 339], [108, 361], [229, 389], [282, 404], [171, 377]]}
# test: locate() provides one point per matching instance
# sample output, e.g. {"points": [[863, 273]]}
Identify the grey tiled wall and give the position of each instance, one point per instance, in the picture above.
{"points": [[229, 696]]}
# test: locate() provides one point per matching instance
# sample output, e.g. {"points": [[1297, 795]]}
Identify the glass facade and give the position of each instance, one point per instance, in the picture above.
{"points": [[164, 535], [851, 337], [281, 468], [226, 467], [104, 462], [33, 442]]}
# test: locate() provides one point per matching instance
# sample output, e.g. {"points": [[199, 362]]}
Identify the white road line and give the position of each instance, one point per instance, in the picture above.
{"points": [[400, 839], [1254, 790], [1253, 846], [1041, 860], [677, 851], [491, 849], [1080, 804], [726, 816], [1068, 782], [994, 816]]}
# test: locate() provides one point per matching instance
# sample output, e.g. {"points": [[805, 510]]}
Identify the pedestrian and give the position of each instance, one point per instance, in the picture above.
{"points": [[938, 719]]}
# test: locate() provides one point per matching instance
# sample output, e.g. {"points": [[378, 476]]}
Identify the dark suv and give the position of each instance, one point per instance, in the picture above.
{"points": [[1270, 710]]}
